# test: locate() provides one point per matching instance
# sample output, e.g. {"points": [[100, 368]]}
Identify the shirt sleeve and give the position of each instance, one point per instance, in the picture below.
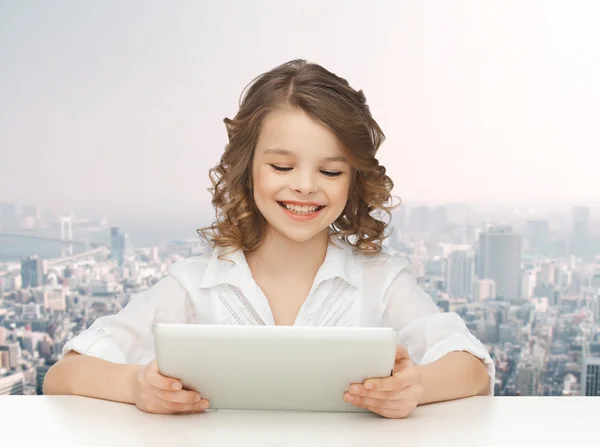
{"points": [[427, 333], [126, 337]]}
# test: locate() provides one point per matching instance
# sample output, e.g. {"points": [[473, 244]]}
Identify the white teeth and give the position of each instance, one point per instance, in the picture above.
{"points": [[305, 209]]}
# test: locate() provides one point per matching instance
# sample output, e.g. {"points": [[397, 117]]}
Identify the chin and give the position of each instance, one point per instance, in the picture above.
{"points": [[298, 230], [299, 235]]}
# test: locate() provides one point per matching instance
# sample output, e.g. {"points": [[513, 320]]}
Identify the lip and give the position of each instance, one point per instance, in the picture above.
{"points": [[301, 217], [294, 202]]}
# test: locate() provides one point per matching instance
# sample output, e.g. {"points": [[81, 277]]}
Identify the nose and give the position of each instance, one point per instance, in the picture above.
{"points": [[304, 183]]}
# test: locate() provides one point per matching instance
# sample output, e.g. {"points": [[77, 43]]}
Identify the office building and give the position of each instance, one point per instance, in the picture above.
{"points": [[117, 244], [8, 215], [441, 220], [4, 357], [32, 274], [538, 236], [499, 259], [595, 281], [581, 241], [460, 274], [12, 384], [419, 219], [10, 352], [120, 247], [528, 282], [548, 273], [527, 377], [563, 278], [508, 333], [54, 299], [46, 347], [484, 289], [590, 370], [154, 254]]}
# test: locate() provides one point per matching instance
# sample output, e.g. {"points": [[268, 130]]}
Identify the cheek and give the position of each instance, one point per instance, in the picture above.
{"points": [[338, 194], [264, 185]]}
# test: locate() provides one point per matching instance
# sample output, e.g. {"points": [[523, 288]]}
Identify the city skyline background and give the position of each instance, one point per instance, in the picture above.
{"points": [[111, 116], [116, 108]]}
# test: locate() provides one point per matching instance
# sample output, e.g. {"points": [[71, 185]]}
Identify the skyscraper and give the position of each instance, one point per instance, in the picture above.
{"points": [[590, 370], [460, 274], [538, 236], [419, 219], [119, 245], [548, 273], [32, 274], [581, 240], [4, 355], [527, 284], [526, 380], [441, 219], [499, 259]]}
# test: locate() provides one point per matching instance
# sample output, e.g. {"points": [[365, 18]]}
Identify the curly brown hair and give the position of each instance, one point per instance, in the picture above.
{"points": [[330, 100]]}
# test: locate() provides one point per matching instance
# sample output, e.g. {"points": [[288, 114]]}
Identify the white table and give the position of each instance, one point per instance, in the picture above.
{"points": [[479, 421]]}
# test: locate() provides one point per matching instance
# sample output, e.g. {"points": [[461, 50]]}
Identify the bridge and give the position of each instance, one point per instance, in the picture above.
{"points": [[52, 239], [78, 257], [67, 227]]}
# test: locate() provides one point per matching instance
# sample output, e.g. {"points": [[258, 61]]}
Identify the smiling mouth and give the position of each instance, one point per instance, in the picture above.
{"points": [[301, 210]]}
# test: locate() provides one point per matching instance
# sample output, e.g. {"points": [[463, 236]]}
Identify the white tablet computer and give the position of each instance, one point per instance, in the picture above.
{"points": [[274, 367]]}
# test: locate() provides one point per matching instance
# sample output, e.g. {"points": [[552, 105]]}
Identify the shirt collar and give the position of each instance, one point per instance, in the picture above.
{"points": [[230, 267], [339, 263]]}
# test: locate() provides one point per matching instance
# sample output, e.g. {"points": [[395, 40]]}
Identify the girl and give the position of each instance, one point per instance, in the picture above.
{"points": [[297, 240]]}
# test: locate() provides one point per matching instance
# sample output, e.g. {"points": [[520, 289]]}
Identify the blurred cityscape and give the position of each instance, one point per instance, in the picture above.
{"points": [[525, 281]]}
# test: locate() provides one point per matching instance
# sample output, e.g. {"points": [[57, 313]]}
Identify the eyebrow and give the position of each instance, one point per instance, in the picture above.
{"points": [[286, 152]]}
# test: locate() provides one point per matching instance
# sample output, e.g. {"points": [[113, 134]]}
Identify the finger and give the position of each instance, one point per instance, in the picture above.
{"points": [[198, 408], [181, 396], [158, 407], [402, 353], [359, 390], [366, 402], [157, 380], [398, 381], [402, 359], [179, 407], [397, 410], [391, 383], [391, 414]]}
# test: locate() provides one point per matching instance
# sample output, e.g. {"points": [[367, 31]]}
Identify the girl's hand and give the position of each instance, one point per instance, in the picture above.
{"points": [[155, 393], [391, 397]]}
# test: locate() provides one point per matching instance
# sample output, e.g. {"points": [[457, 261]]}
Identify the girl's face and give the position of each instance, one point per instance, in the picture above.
{"points": [[301, 176]]}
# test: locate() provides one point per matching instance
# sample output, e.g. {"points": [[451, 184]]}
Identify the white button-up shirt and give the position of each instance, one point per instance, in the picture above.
{"points": [[350, 289]]}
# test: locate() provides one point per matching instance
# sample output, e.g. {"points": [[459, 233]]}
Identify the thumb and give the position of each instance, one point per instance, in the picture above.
{"points": [[401, 353], [402, 358]]}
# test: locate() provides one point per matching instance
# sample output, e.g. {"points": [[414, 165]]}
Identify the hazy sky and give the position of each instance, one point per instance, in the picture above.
{"points": [[118, 105]]}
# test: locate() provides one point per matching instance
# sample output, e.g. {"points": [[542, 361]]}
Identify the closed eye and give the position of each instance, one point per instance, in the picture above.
{"points": [[281, 168], [287, 169]]}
